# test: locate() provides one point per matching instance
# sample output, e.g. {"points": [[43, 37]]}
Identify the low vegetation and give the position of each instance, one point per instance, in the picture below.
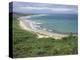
{"points": [[26, 44]]}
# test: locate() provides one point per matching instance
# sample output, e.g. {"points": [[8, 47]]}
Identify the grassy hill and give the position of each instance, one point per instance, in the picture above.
{"points": [[26, 44]]}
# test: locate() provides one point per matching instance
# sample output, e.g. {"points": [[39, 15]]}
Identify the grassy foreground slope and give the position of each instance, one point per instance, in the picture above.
{"points": [[26, 44]]}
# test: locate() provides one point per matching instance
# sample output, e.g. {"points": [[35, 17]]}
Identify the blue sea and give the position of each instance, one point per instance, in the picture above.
{"points": [[60, 23]]}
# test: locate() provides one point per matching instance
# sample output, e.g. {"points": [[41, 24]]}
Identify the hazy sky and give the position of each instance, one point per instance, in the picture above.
{"points": [[26, 7]]}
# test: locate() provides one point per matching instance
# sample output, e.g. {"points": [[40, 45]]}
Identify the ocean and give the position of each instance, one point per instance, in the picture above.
{"points": [[58, 23]]}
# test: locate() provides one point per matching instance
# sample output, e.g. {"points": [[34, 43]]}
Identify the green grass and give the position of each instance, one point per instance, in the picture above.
{"points": [[26, 44]]}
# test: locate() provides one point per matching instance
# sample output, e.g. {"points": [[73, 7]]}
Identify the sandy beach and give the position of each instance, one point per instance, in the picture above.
{"points": [[41, 33]]}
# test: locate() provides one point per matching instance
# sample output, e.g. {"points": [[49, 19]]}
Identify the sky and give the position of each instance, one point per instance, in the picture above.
{"points": [[28, 7]]}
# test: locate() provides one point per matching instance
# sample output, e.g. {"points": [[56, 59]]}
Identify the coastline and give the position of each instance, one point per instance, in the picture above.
{"points": [[27, 25]]}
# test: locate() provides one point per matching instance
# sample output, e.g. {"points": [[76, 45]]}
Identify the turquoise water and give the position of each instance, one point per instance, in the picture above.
{"points": [[61, 23]]}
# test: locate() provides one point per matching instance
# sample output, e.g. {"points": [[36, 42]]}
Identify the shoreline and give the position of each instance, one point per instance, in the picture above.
{"points": [[37, 26], [27, 25]]}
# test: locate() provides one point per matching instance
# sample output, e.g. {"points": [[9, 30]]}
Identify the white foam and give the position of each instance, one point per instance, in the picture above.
{"points": [[50, 30], [34, 25]]}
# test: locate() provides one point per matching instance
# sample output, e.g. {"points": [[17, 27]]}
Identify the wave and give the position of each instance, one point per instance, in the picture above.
{"points": [[48, 25]]}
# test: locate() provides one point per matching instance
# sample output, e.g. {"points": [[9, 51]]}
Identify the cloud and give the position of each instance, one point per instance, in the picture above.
{"points": [[59, 9], [37, 8]]}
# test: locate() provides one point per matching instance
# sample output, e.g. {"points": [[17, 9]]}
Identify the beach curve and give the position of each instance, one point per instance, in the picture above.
{"points": [[41, 33]]}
